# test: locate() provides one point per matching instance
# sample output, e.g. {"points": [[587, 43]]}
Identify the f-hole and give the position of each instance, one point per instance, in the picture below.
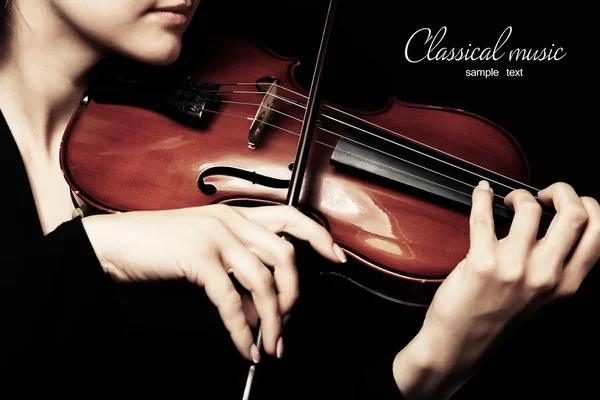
{"points": [[251, 176]]}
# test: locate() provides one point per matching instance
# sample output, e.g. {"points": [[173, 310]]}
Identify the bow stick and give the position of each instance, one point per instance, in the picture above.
{"points": [[306, 134]]}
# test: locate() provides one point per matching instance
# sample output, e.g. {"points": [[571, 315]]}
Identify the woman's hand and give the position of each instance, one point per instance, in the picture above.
{"points": [[206, 244], [498, 280]]}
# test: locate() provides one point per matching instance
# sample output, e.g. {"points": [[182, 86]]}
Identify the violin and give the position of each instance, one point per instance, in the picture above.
{"points": [[392, 186]]}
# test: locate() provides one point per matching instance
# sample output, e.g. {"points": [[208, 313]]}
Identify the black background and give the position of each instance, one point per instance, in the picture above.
{"points": [[550, 111]]}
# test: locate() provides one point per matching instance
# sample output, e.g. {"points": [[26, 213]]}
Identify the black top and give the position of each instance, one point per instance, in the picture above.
{"points": [[69, 331]]}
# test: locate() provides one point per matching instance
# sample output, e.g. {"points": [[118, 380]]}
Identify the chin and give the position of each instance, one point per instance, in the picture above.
{"points": [[160, 57], [162, 60], [158, 53]]}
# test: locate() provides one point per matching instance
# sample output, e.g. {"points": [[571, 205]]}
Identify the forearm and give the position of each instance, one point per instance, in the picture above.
{"points": [[434, 366]]}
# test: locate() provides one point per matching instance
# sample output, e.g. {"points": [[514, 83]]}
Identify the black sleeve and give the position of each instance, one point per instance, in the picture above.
{"points": [[54, 297]]}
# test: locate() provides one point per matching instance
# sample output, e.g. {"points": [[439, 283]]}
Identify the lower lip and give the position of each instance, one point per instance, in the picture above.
{"points": [[171, 17]]}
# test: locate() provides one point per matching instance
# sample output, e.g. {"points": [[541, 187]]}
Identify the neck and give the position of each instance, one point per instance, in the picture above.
{"points": [[43, 67]]}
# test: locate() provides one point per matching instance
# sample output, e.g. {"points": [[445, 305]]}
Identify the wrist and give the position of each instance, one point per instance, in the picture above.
{"points": [[102, 241], [435, 364]]}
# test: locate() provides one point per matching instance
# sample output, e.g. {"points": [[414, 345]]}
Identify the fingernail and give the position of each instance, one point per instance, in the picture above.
{"points": [[484, 185], [339, 253], [255, 353], [280, 347]]}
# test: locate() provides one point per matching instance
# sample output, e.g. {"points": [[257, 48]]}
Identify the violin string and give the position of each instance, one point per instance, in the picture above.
{"points": [[347, 152], [246, 103], [299, 104], [417, 142], [349, 139], [367, 159]]}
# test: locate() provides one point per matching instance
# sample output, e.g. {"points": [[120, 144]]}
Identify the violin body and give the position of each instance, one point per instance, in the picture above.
{"points": [[402, 241]]}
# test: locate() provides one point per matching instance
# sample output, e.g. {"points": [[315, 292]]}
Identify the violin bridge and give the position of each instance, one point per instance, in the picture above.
{"points": [[262, 117]]}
